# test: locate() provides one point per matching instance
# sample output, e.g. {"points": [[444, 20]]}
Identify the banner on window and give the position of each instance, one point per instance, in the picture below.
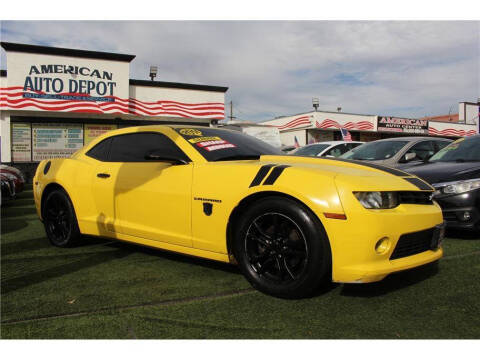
{"points": [[92, 131], [21, 142], [55, 140]]}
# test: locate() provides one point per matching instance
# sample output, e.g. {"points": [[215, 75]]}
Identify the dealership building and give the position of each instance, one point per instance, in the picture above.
{"points": [[318, 126], [53, 101]]}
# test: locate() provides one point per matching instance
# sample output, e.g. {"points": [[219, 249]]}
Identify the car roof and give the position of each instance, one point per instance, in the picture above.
{"points": [[331, 143], [413, 138]]}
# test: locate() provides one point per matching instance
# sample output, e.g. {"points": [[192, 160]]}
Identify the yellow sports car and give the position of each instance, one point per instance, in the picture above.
{"points": [[291, 223]]}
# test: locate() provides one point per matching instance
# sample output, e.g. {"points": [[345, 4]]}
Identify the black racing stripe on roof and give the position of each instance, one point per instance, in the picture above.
{"points": [[276, 172], [262, 172], [419, 183], [390, 170]]}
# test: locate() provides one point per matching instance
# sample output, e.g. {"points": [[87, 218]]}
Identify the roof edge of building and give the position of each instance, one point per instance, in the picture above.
{"points": [[320, 111], [61, 51], [178, 85]]}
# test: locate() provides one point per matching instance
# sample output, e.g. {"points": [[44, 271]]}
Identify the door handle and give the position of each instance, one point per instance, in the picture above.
{"points": [[103, 175]]}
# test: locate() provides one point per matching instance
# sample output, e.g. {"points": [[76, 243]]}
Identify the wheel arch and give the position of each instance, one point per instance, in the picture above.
{"points": [[52, 186], [247, 201]]}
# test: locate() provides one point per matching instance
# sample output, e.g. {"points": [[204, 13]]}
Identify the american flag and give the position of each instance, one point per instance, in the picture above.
{"points": [[296, 144], [345, 134]]}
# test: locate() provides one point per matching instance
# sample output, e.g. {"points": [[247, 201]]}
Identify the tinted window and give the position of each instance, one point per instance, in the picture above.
{"points": [[462, 150], [133, 147], [351, 146], [100, 151], [312, 150], [377, 150], [336, 151], [424, 150], [224, 145], [441, 144]]}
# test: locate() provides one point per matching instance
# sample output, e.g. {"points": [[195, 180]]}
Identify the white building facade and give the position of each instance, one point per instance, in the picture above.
{"points": [[319, 126], [53, 101]]}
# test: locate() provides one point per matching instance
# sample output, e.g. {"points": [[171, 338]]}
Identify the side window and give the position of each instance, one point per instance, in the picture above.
{"points": [[440, 144], [336, 151], [100, 151], [351, 146], [133, 147], [423, 150]]}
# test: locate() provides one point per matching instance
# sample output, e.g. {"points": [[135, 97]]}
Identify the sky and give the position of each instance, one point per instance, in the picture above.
{"points": [[275, 68]]}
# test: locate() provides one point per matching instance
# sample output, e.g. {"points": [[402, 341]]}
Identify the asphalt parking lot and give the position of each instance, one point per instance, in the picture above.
{"points": [[108, 289]]}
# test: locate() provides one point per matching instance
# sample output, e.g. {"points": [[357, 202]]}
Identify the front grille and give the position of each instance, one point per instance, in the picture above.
{"points": [[413, 243], [415, 197]]}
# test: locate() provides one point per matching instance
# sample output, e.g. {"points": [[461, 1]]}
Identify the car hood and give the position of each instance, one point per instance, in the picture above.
{"points": [[436, 172], [361, 175], [328, 165]]}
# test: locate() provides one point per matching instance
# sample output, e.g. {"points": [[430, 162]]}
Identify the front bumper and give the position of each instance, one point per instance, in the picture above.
{"points": [[354, 241], [461, 211], [376, 271]]}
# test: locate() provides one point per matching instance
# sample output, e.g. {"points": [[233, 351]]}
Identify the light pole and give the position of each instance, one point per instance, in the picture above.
{"points": [[153, 72], [315, 103]]}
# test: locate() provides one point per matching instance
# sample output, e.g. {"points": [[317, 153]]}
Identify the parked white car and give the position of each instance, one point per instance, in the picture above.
{"points": [[330, 148]]}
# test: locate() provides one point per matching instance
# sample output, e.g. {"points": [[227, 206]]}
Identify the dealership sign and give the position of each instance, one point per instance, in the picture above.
{"points": [[86, 83], [404, 125], [46, 82], [95, 83]]}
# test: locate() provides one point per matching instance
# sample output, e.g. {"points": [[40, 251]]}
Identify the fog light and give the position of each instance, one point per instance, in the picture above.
{"points": [[382, 245], [466, 216]]}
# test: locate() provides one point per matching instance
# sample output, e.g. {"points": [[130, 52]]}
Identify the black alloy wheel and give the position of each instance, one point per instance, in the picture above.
{"points": [[282, 248], [59, 219], [276, 248]]}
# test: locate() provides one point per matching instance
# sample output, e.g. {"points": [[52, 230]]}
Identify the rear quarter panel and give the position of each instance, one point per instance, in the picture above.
{"points": [[74, 176]]}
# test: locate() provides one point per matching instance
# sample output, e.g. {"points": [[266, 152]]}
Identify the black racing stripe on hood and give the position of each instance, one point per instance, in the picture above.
{"points": [[390, 170], [276, 172], [262, 172], [419, 183]]}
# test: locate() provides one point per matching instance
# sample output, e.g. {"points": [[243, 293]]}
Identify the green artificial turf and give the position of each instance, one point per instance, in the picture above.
{"points": [[108, 289]]}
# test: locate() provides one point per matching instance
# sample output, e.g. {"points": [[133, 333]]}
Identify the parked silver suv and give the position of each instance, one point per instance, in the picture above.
{"points": [[397, 152]]}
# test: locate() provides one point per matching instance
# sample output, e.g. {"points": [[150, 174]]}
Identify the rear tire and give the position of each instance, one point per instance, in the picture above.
{"points": [[60, 220], [282, 248]]}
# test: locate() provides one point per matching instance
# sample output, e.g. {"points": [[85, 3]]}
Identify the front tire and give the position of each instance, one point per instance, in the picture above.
{"points": [[59, 219], [282, 248]]}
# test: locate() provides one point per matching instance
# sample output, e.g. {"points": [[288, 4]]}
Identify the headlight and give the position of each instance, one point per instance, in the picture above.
{"points": [[377, 200], [457, 186]]}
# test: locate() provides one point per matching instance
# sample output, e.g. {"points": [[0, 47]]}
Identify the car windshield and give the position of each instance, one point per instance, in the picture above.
{"points": [[226, 145], [377, 150], [462, 150], [312, 150]]}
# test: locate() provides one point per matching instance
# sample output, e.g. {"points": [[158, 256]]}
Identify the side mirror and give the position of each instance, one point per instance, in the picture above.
{"points": [[157, 156], [409, 156]]}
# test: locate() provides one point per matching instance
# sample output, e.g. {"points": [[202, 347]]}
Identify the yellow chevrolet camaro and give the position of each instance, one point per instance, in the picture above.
{"points": [[291, 223]]}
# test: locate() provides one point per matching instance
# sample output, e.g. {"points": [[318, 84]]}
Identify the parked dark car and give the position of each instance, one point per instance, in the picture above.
{"points": [[7, 188], [15, 175], [455, 173]]}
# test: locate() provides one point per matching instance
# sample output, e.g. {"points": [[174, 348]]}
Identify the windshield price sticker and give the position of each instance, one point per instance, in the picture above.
{"points": [[204, 139], [210, 143], [220, 147], [190, 132]]}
